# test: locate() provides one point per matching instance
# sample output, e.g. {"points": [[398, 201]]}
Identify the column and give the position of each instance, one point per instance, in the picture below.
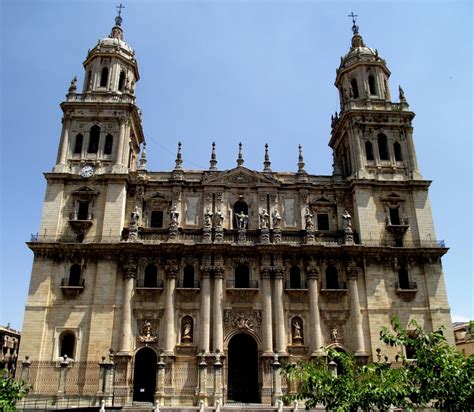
{"points": [[218, 323], [202, 380], [160, 381], [279, 312], [218, 395], [64, 142], [63, 376], [205, 306], [129, 273], [316, 340], [267, 332], [355, 311], [171, 270], [412, 152], [121, 141], [277, 393]]}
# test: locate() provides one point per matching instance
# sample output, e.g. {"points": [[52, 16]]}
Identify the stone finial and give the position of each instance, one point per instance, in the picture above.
{"points": [[266, 162], [179, 160], [300, 160], [401, 94], [240, 159], [117, 32], [213, 161], [143, 161], [73, 85]]}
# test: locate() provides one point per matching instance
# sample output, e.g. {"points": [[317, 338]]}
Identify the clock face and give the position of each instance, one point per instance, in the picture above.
{"points": [[87, 171]]}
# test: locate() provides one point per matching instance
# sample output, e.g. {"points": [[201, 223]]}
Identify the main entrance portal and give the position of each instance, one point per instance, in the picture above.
{"points": [[243, 369], [144, 375]]}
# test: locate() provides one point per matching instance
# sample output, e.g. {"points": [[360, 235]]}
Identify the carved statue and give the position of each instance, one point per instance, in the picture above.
{"points": [[219, 219], [334, 334], [264, 219], [297, 330], [174, 214], [135, 217], [276, 219], [242, 220], [308, 217], [208, 218], [346, 220], [146, 335], [187, 330]]}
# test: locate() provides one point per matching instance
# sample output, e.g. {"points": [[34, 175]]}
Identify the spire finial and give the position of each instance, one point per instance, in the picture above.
{"points": [[266, 162], [118, 19], [179, 160], [142, 164], [240, 159], [300, 160], [213, 160], [355, 27]]}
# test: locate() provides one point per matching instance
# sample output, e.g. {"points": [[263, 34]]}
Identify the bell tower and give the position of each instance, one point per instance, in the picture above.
{"points": [[371, 136], [102, 130]]}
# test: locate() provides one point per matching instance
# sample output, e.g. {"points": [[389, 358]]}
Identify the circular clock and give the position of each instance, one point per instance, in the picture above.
{"points": [[87, 171]]}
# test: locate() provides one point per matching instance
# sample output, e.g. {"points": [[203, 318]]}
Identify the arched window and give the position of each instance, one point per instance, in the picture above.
{"points": [[67, 344], [355, 89], [121, 83], [332, 278], [242, 276], [151, 276], [94, 137], [397, 150], [239, 206], [295, 278], [372, 85], [104, 77], [109, 143], [369, 151], [383, 146], [403, 279], [188, 277], [78, 144], [74, 275]]}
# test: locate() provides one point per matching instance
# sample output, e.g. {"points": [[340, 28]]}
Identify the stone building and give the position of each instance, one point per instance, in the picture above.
{"points": [[188, 286], [10, 341]]}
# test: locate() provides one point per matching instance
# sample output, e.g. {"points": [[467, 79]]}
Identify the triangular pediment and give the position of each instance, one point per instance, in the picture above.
{"points": [[240, 176]]}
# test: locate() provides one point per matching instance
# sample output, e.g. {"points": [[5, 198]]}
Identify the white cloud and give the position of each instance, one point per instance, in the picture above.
{"points": [[460, 318]]}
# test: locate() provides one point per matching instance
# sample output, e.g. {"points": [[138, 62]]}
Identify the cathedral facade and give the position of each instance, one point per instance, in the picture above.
{"points": [[190, 287]]}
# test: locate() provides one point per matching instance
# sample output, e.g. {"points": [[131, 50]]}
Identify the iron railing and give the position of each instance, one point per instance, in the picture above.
{"points": [[188, 285], [406, 285], [289, 285], [339, 286], [251, 284], [76, 283]]}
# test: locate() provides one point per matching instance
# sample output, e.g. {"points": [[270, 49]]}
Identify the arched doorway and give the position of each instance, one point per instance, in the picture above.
{"points": [[144, 375], [242, 375]]}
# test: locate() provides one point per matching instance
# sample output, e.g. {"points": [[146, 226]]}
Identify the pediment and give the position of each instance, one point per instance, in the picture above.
{"points": [[240, 176]]}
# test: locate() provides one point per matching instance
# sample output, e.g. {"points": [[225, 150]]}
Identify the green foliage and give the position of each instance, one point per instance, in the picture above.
{"points": [[439, 376], [11, 391]]}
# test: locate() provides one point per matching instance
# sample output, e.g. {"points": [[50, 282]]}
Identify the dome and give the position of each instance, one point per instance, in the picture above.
{"points": [[359, 52]]}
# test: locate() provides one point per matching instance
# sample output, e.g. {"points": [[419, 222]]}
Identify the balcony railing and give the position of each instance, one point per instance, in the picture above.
{"points": [[339, 286], [71, 283], [251, 284], [406, 243], [158, 284], [296, 285], [406, 286], [105, 97], [188, 285]]}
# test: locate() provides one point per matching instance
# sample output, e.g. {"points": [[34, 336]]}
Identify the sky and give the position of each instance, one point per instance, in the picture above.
{"points": [[254, 72]]}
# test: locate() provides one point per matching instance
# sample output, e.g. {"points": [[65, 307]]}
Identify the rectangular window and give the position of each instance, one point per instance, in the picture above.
{"points": [[83, 211], [394, 216], [156, 218], [323, 221]]}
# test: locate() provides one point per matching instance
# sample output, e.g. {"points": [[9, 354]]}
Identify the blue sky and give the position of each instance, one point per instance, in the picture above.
{"points": [[231, 71]]}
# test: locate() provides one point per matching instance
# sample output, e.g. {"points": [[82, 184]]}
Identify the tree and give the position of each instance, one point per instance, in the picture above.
{"points": [[437, 375], [11, 391]]}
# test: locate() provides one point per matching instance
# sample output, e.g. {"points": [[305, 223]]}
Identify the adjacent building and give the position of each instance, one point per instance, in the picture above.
{"points": [[186, 286]]}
